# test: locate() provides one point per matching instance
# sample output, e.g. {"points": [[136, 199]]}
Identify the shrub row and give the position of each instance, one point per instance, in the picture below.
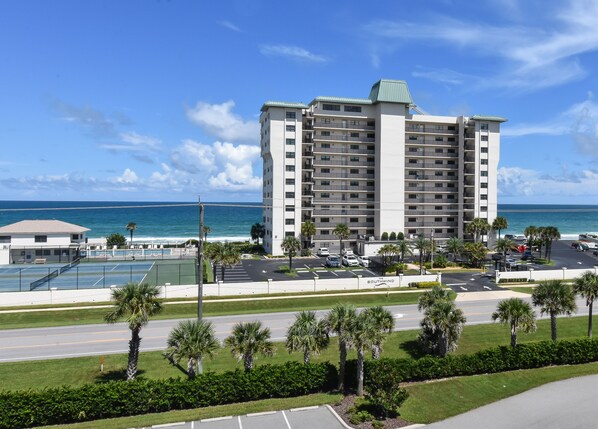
{"points": [[29, 408], [495, 359], [424, 285], [521, 280]]}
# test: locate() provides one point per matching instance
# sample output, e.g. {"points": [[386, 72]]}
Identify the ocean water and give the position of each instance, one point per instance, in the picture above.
{"points": [[165, 222]]}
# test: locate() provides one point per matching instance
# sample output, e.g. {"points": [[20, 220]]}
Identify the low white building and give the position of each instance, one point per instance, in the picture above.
{"points": [[40, 241]]}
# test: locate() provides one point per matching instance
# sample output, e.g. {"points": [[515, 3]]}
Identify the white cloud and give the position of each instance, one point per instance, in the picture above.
{"points": [[292, 52], [236, 178], [238, 155], [139, 141], [229, 25], [521, 182], [219, 120], [128, 177], [193, 157]]}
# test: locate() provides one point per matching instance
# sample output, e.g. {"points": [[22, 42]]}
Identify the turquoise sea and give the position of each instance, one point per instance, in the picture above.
{"points": [[176, 221]]}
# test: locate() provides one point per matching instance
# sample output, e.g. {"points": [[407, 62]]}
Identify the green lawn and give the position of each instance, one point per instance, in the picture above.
{"points": [[401, 344], [96, 315]]}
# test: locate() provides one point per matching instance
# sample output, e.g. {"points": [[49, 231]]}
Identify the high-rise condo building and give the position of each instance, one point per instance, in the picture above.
{"points": [[377, 165]]}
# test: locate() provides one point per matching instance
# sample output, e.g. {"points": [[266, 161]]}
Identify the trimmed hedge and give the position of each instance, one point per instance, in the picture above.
{"points": [[424, 285], [518, 280], [27, 408], [495, 359]]}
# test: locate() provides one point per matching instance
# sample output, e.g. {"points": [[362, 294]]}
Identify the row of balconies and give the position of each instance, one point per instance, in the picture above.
{"points": [[430, 129], [342, 163], [343, 212], [363, 151], [344, 138], [345, 188], [342, 126]]}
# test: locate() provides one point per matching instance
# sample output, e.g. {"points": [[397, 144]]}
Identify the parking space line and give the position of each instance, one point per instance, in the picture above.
{"points": [[216, 419], [167, 425], [240, 424], [263, 413], [313, 407], [286, 420]]}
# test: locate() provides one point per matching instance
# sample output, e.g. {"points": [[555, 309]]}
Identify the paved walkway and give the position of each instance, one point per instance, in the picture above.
{"points": [[494, 294], [567, 404]]}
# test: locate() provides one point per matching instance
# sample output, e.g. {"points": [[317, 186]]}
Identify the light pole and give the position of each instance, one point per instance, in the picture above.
{"points": [[432, 249], [200, 263]]}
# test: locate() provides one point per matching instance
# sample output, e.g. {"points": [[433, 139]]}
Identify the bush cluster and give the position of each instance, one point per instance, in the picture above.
{"points": [[424, 285], [27, 408], [521, 280], [492, 360]]}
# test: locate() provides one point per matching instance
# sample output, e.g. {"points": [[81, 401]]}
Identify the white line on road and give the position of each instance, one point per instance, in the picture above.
{"points": [[167, 425], [240, 424], [287, 420], [263, 413], [313, 407], [455, 284], [463, 288], [486, 287]]}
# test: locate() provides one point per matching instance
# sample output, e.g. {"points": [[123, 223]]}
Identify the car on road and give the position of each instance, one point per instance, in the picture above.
{"points": [[364, 261], [323, 251], [350, 261], [333, 261]]}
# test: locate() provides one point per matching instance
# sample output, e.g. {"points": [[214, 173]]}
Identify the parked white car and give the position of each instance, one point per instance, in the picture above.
{"points": [[364, 261], [323, 251], [347, 252], [350, 261]]}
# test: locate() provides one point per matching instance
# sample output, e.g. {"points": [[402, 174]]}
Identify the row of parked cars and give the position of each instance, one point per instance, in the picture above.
{"points": [[348, 259]]}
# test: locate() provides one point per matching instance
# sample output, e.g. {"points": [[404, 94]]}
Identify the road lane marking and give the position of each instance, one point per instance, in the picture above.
{"points": [[240, 424], [263, 413], [286, 420], [463, 288]]}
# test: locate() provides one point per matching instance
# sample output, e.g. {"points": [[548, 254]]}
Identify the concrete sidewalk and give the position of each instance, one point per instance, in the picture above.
{"points": [[488, 295]]}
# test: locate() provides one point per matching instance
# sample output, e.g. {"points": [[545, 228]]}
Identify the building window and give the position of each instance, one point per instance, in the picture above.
{"points": [[451, 128], [289, 194], [484, 162], [438, 150], [438, 173], [437, 219], [353, 195], [450, 162], [451, 139], [370, 183], [325, 219], [450, 173], [450, 185], [450, 150], [290, 181], [450, 197], [412, 138], [413, 161], [438, 161], [353, 183], [331, 107], [4, 238], [354, 146], [484, 209], [412, 185], [484, 185], [353, 219], [412, 173], [369, 219], [325, 158], [41, 238], [412, 207], [325, 183], [438, 197], [290, 168], [325, 170], [450, 230], [438, 185], [450, 219], [354, 171], [411, 219], [290, 127], [352, 108], [291, 115], [437, 207], [483, 197], [484, 173], [484, 127], [439, 139], [438, 230], [324, 195], [289, 221], [412, 149], [353, 122], [412, 196], [289, 208], [354, 159], [290, 155], [370, 196], [325, 133], [371, 135], [354, 135], [370, 172], [289, 234], [484, 150], [325, 232], [290, 141], [484, 138]]}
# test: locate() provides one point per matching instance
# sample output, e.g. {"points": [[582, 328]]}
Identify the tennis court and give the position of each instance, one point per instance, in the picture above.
{"points": [[72, 276]]}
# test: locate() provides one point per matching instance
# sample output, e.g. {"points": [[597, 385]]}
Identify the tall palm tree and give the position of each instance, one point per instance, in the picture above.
{"points": [[257, 231], [290, 245], [586, 285], [191, 340], [384, 322], [504, 245], [518, 314], [477, 228], [403, 249], [205, 231], [308, 230], [442, 327], [500, 223], [247, 340], [554, 297], [307, 334], [476, 252], [423, 245], [342, 232], [131, 226], [340, 320], [530, 233], [135, 303], [431, 296], [364, 333], [454, 246], [552, 233]]}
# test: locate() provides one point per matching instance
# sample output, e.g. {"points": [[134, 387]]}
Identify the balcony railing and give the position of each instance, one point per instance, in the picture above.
{"points": [[344, 138], [346, 163], [343, 150], [347, 188]]}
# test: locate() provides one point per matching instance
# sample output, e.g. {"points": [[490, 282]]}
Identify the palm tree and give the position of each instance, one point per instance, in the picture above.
{"points": [[518, 314], [387, 253], [431, 296], [454, 246], [257, 231], [191, 340], [136, 303], [587, 286], [530, 233], [247, 340], [500, 223], [308, 230], [290, 245], [504, 245], [403, 249], [225, 254], [342, 232], [552, 233], [441, 327], [205, 231], [307, 334], [384, 322], [364, 333], [476, 252], [339, 320], [554, 297], [131, 226], [422, 244], [477, 227]]}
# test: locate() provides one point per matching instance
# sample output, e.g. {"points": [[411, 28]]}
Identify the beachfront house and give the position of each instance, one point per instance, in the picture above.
{"points": [[40, 242]]}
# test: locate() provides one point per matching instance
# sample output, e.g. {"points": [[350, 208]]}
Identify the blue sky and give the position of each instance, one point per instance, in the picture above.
{"points": [[159, 100]]}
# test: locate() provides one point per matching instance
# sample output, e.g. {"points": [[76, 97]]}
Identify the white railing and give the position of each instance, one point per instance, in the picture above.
{"points": [[536, 276]]}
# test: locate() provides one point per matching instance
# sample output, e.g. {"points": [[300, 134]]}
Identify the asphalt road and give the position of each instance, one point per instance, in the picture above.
{"points": [[89, 340]]}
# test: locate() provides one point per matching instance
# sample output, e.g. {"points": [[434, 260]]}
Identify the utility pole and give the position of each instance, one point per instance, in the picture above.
{"points": [[200, 263], [432, 250]]}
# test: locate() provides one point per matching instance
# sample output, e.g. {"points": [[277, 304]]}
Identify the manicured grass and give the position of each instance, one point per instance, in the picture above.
{"points": [[430, 402], [96, 315], [522, 289], [206, 413], [401, 344], [285, 269]]}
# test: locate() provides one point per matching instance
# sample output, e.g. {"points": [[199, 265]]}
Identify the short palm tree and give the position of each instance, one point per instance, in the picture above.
{"points": [[500, 223], [516, 313], [477, 228], [587, 286], [454, 246], [247, 340], [131, 226], [403, 249], [257, 231], [191, 340], [364, 333], [225, 254], [531, 233], [290, 245], [307, 334], [308, 230], [442, 327], [342, 232], [554, 297], [136, 303], [339, 321], [551, 233], [384, 322], [387, 253], [205, 231], [423, 245], [431, 296], [504, 245]]}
